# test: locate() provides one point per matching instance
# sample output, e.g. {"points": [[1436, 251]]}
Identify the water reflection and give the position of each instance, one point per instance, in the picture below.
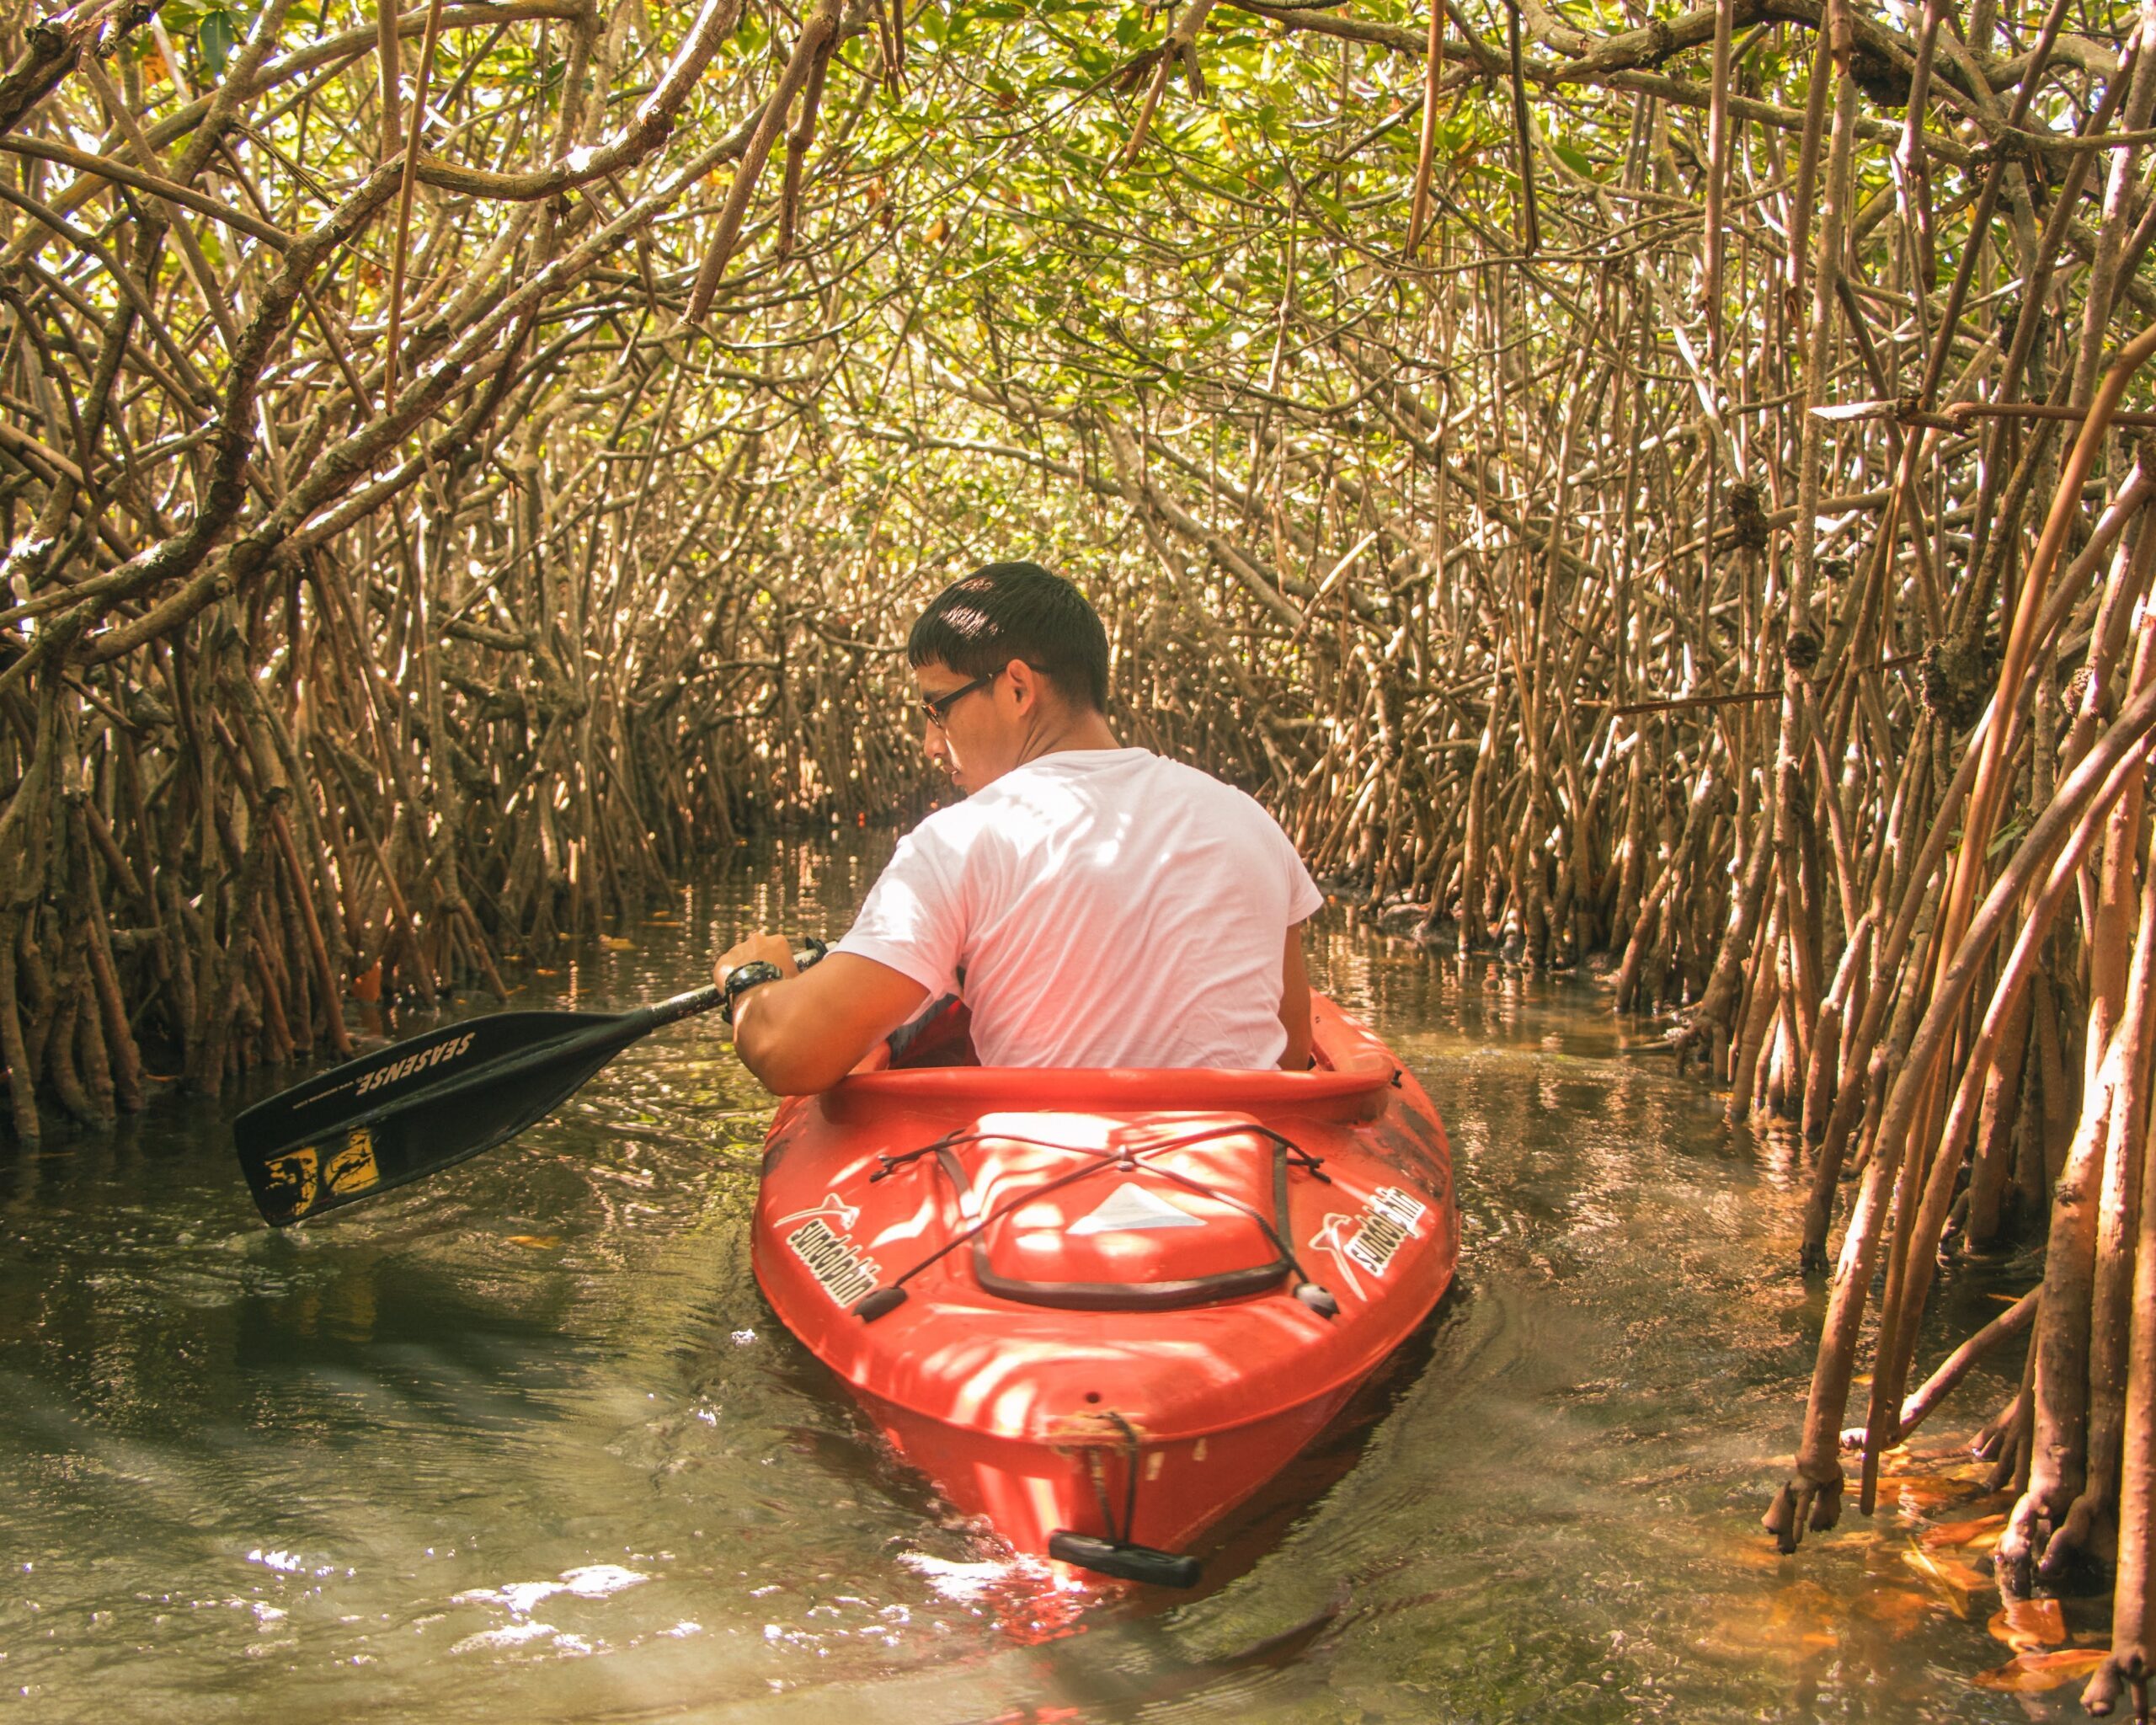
{"points": [[523, 1441]]}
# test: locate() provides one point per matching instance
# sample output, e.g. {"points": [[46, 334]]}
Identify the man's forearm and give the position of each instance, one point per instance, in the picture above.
{"points": [[788, 1058], [1296, 1056], [1295, 1003], [802, 1034]]}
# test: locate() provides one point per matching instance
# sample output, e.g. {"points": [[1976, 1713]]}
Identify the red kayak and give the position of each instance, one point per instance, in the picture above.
{"points": [[1101, 1308]]}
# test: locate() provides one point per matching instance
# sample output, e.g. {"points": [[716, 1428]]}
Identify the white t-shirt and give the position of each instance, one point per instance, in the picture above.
{"points": [[1098, 907]]}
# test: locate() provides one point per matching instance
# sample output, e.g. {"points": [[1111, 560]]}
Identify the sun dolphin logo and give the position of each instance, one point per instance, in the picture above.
{"points": [[425, 1060], [1328, 1238], [834, 1209], [1390, 1221], [837, 1264], [1371, 1236]]}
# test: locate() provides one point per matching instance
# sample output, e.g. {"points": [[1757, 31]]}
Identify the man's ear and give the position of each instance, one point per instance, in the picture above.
{"points": [[1025, 683]]}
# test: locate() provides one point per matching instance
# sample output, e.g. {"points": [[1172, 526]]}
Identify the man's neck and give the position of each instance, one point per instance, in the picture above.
{"points": [[1066, 733]]}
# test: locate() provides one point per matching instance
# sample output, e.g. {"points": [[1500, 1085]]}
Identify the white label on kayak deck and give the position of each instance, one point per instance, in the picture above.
{"points": [[834, 1260], [1386, 1222], [1390, 1219], [1129, 1209]]}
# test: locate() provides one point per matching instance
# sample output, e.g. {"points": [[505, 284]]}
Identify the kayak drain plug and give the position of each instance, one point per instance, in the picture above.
{"points": [[877, 1301], [1316, 1298]]}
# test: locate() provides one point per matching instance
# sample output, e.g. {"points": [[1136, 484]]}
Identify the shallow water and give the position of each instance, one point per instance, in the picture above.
{"points": [[523, 1442]]}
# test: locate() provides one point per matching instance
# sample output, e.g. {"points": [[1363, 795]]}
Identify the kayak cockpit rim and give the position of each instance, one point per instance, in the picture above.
{"points": [[1357, 1092]]}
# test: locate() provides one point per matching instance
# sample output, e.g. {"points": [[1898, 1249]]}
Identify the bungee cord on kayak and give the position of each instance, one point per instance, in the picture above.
{"points": [[1125, 1159]]}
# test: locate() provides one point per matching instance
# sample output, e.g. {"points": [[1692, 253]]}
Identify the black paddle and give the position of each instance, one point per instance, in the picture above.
{"points": [[430, 1101]]}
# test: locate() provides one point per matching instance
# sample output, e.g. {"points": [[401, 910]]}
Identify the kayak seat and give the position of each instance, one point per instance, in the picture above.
{"points": [[941, 1035]]}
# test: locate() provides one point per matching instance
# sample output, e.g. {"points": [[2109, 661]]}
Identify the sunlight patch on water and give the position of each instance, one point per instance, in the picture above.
{"points": [[963, 1582], [592, 1581], [290, 1563], [970, 1583], [510, 1634]]}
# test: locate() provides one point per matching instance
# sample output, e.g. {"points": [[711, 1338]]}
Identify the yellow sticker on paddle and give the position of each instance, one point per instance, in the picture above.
{"points": [[292, 1183], [352, 1170]]}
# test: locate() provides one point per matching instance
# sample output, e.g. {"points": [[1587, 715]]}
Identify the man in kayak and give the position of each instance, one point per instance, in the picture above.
{"points": [[1093, 906]]}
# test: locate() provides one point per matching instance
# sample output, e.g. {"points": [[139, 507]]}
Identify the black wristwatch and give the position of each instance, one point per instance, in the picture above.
{"points": [[744, 977]]}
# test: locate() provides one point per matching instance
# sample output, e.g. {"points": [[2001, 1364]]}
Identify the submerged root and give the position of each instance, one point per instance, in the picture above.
{"points": [[2086, 1536], [2125, 1672], [2019, 1558], [1999, 1434], [1803, 1503]]}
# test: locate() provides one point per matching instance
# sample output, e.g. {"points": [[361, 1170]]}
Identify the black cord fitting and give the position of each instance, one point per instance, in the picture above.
{"points": [[1319, 1300], [877, 1302]]}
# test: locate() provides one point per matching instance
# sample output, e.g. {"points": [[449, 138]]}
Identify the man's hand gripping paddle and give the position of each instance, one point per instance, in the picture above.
{"points": [[430, 1101]]}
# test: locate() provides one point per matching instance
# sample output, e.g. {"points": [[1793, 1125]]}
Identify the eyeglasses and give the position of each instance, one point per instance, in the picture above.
{"points": [[936, 708]]}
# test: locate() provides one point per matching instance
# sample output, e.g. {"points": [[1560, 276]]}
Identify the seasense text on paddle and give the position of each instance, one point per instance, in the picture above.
{"points": [[424, 1060]]}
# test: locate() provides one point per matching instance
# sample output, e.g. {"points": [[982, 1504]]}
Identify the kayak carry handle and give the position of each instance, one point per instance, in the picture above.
{"points": [[1123, 1560]]}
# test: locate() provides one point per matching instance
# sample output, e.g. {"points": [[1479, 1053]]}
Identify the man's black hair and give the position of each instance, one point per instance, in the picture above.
{"points": [[1010, 610]]}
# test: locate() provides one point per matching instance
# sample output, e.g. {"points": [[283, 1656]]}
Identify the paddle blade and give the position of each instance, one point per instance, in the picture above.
{"points": [[405, 1112], [360, 1087]]}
